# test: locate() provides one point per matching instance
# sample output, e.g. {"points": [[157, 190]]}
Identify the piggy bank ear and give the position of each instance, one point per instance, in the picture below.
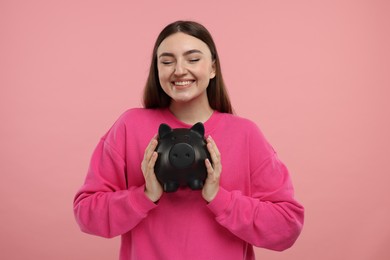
{"points": [[163, 130], [199, 128]]}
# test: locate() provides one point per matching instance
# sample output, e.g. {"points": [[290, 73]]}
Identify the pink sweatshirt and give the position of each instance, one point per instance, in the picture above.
{"points": [[255, 204]]}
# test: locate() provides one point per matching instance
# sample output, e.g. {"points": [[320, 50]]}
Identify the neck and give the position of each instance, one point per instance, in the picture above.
{"points": [[191, 112]]}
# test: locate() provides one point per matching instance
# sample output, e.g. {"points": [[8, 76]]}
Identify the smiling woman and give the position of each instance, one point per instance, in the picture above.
{"points": [[155, 97], [248, 203], [185, 67]]}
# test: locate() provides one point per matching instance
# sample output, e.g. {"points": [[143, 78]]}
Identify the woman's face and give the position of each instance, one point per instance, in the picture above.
{"points": [[185, 67]]}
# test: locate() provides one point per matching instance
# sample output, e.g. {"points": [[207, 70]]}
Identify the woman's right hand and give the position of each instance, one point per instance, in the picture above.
{"points": [[153, 189]]}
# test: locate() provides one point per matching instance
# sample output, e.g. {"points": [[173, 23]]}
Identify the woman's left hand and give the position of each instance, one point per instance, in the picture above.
{"points": [[214, 169]]}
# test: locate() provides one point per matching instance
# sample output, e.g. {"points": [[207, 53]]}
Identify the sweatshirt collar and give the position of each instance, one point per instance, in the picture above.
{"points": [[209, 125]]}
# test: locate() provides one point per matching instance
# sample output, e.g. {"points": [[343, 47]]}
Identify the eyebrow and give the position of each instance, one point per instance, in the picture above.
{"points": [[168, 54]]}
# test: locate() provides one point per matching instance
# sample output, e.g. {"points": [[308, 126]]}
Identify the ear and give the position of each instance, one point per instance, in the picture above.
{"points": [[213, 70], [163, 130], [199, 128]]}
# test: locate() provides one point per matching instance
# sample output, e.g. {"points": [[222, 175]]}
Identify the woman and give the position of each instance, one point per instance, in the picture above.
{"points": [[247, 198]]}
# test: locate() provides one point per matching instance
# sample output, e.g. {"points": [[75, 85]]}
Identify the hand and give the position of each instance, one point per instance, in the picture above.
{"points": [[214, 169], [153, 189]]}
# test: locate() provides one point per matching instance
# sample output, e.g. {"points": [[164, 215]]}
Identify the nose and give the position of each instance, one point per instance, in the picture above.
{"points": [[180, 69]]}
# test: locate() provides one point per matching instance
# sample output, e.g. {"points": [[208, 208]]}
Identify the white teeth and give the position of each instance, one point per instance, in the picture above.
{"points": [[182, 83]]}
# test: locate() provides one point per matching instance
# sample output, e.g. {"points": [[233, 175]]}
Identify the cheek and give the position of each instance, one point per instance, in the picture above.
{"points": [[163, 73], [206, 70]]}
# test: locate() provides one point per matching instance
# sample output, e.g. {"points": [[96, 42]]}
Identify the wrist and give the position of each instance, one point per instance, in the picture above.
{"points": [[210, 196], [154, 198]]}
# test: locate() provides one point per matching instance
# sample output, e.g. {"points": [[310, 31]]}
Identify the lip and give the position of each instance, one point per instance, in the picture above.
{"points": [[182, 84]]}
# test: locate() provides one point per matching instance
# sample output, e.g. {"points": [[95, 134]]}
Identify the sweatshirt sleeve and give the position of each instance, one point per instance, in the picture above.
{"points": [[269, 217], [104, 206]]}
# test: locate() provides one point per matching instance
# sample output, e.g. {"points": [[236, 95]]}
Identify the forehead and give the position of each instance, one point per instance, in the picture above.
{"points": [[179, 43]]}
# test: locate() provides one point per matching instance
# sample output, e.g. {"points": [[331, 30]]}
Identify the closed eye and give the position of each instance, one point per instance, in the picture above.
{"points": [[167, 62]]}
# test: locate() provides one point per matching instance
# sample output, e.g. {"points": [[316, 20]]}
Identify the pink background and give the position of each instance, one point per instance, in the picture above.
{"points": [[314, 75]]}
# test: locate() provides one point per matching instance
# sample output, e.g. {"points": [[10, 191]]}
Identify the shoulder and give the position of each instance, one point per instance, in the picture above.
{"points": [[240, 130], [239, 124], [139, 114], [139, 118], [136, 120]]}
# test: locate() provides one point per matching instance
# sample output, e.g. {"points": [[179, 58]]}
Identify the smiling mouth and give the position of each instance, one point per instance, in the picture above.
{"points": [[182, 83]]}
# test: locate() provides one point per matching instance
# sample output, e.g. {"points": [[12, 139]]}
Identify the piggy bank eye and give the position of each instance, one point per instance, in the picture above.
{"points": [[173, 138]]}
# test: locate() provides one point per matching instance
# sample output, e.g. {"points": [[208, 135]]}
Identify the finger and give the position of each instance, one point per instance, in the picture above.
{"points": [[150, 148], [211, 174], [151, 163], [213, 154], [209, 167], [148, 152], [153, 160], [215, 157], [213, 145], [153, 142]]}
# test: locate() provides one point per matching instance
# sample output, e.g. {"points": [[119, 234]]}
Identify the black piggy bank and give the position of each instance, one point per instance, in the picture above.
{"points": [[181, 157]]}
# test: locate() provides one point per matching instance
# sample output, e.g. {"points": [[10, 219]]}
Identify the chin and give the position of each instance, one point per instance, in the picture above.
{"points": [[187, 97], [182, 100]]}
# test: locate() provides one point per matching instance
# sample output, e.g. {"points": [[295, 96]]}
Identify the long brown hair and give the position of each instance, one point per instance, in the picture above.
{"points": [[155, 97]]}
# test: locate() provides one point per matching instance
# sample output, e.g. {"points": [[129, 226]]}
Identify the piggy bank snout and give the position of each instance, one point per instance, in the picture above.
{"points": [[182, 155]]}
